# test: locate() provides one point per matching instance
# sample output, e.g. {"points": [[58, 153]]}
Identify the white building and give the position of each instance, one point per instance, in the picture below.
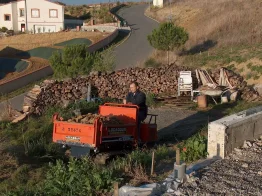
{"points": [[159, 3], [37, 16]]}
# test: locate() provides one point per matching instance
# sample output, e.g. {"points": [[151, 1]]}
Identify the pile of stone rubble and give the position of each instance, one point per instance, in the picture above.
{"points": [[238, 174]]}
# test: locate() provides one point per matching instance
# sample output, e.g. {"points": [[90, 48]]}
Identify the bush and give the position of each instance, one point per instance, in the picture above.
{"points": [[3, 29], [74, 61], [79, 177], [105, 61], [194, 148]]}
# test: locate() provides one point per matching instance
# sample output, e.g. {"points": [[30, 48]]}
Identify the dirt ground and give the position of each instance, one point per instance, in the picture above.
{"points": [[179, 124], [238, 174]]}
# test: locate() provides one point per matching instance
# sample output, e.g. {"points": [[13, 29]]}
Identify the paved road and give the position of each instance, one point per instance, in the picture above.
{"points": [[136, 48]]}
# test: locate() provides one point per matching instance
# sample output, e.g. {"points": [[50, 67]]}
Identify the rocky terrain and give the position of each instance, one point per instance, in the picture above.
{"points": [[238, 174]]}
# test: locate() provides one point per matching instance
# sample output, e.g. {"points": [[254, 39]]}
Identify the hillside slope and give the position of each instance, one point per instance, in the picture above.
{"points": [[221, 33]]}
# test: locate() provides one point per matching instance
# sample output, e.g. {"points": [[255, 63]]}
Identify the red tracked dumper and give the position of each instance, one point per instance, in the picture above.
{"points": [[105, 139]]}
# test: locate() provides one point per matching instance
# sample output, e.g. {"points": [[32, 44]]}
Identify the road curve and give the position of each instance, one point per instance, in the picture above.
{"points": [[136, 48]]}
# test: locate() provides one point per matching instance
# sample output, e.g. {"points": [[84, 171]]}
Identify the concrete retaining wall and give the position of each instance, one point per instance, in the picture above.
{"points": [[22, 81], [230, 132], [102, 28], [103, 43]]}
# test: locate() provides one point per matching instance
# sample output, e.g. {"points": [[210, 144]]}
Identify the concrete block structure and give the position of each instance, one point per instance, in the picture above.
{"points": [[36, 16], [230, 132]]}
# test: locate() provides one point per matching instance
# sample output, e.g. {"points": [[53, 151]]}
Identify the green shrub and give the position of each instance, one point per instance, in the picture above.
{"points": [[105, 60], [194, 148], [3, 29], [79, 177], [73, 61]]}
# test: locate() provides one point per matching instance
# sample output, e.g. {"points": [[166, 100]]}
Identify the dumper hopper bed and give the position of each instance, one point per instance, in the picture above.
{"points": [[99, 137]]}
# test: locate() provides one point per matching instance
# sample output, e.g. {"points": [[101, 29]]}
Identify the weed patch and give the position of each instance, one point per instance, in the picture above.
{"points": [[194, 148], [150, 62]]}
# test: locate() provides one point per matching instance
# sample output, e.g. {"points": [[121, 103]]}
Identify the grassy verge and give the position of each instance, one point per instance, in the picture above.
{"points": [[224, 56], [27, 148], [231, 108]]}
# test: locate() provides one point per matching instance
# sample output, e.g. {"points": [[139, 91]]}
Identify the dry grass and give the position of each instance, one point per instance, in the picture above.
{"points": [[161, 57], [29, 41], [244, 70], [8, 165], [228, 22]]}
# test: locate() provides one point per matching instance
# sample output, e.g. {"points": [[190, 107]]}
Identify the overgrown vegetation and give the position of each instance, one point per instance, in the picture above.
{"points": [[27, 149], [30, 142], [100, 13], [195, 147], [78, 177], [75, 60]]}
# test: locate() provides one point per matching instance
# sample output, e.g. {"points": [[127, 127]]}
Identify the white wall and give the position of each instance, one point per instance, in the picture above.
{"points": [[158, 3], [44, 18], [6, 9], [20, 20]]}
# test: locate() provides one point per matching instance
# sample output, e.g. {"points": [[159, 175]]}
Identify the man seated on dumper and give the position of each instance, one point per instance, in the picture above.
{"points": [[137, 97]]}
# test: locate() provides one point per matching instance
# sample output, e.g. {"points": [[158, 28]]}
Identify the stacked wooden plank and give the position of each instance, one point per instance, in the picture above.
{"points": [[235, 81]]}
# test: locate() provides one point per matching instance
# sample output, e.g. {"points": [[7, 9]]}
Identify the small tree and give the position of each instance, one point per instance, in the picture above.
{"points": [[168, 37], [105, 61]]}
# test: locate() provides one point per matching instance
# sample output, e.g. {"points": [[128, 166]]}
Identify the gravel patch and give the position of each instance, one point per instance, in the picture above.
{"points": [[238, 174]]}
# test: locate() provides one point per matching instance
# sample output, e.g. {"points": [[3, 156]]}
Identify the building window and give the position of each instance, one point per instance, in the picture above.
{"points": [[35, 13], [53, 13], [22, 12], [7, 17]]}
